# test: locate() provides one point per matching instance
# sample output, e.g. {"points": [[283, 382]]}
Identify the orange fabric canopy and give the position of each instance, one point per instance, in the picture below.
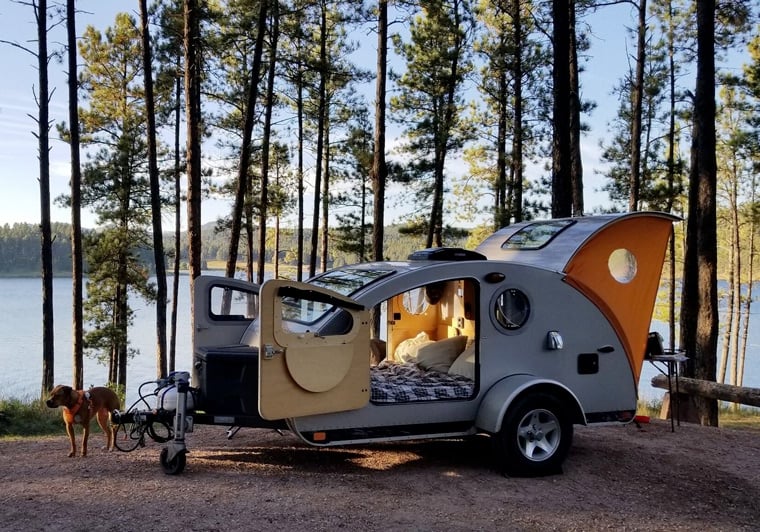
{"points": [[627, 305]]}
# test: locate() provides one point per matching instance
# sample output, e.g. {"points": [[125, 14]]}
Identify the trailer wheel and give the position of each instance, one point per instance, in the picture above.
{"points": [[176, 465], [535, 436]]}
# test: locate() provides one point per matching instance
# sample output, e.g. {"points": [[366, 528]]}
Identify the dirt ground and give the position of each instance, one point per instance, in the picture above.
{"points": [[621, 478]]}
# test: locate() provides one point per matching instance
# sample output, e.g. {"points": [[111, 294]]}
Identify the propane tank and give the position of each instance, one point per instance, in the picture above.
{"points": [[166, 398]]}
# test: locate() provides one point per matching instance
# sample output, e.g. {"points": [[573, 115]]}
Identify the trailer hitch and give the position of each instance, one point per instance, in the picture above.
{"points": [[167, 422]]}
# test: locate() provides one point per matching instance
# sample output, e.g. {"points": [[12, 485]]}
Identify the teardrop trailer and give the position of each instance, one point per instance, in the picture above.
{"points": [[542, 327]]}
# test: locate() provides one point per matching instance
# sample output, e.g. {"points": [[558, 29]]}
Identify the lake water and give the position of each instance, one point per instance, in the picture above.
{"points": [[21, 342], [21, 338]]}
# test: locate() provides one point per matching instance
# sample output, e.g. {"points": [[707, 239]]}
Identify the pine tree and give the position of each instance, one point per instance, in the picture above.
{"points": [[430, 101], [46, 241], [155, 192], [515, 72], [353, 234], [115, 186], [77, 266], [699, 305]]}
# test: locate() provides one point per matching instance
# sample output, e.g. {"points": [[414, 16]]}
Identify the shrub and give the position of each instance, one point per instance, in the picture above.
{"points": [[31, 418]]}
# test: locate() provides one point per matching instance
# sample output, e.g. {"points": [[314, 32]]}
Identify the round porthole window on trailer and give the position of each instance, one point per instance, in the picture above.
{"points": [[512, 309], [622, 265]]}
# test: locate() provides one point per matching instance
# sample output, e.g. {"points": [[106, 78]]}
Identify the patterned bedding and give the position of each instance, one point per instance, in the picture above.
{"points": [[399, 383]]}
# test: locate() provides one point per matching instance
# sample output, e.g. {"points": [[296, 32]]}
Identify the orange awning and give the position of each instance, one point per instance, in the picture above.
{"points": [[627, 305]]}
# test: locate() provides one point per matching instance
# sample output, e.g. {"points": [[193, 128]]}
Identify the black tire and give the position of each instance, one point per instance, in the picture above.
{"points": [[535, 436], [174, 466]]}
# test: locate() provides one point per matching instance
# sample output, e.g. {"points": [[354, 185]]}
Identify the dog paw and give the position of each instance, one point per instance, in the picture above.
{"points": [[72, 454]]}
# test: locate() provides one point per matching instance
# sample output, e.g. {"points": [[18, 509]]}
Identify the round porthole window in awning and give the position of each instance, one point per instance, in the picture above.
{"points": [[622, 265]]}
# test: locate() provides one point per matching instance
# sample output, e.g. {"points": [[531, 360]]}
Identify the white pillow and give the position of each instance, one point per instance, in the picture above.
{"points": [[439, 355], [464, 365], [406, 351]]}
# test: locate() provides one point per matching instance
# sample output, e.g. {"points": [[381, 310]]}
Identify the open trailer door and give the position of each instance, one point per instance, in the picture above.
{"points": [[223, 308], [302, 372]]}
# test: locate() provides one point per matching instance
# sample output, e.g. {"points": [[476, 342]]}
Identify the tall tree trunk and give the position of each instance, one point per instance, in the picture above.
{"points": [[435, 226], [122, 324], [248, 217], [325, 197], [321, 119], [728, 321], [379, 172], [379, 167], [245, 147], [177, 217], [576, 163], [276, 258], [363, 251], [671, 179], [637, 94], [155, 196], [275, 34], [699, 304], [735, 304], [750, 283], [300, 228], [77, 273], [43, 136], [517, 138], [443, 134], [562, 192], [193, 117], [505, 185]]}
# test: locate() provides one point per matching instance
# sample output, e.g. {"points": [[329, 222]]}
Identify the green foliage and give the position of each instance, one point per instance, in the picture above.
{"points": [[350, 168], [28, 418], [115, 270], [120, 390], [430, 101], [20, 249], [515, 57]]}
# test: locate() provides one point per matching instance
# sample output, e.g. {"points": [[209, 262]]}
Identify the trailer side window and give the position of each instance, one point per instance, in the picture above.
{"points": [[227, 304]]}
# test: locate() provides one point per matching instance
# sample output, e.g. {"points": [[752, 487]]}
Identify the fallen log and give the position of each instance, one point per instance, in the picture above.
{"points": [[711, 390]]}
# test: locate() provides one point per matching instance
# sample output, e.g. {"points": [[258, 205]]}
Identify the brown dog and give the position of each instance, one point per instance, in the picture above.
{"points": [[80, 407]]}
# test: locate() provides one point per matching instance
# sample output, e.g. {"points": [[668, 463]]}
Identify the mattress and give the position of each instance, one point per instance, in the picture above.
{"points": [[401, 383]]}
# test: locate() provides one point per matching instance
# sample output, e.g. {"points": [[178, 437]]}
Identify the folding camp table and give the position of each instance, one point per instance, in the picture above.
{"points": [[668, 363]]}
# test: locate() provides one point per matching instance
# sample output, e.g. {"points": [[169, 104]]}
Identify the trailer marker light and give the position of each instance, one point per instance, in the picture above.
{"points": [[495, 277], [319, 436]]}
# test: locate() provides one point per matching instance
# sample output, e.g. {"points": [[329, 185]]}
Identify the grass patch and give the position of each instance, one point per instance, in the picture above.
{"points": [[729, 415], [743, 418], [28, 418], [649, 408]]}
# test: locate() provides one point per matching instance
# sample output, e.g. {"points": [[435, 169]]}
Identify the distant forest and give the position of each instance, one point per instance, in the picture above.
{"points": [[20, 248]]}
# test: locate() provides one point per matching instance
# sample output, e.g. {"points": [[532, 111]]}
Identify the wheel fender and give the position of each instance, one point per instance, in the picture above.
{"points": [[497, 399]]}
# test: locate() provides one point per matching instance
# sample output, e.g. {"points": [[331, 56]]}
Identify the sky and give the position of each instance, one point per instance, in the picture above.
{"points": [[19, 164]]}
